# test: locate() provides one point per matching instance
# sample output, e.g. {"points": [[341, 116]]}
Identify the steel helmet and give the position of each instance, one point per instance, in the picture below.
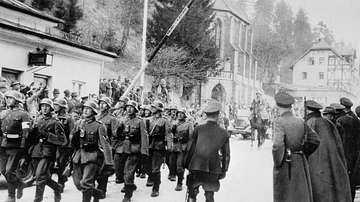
{"points": [[158, 105], [183, 110], [132, 103], [48, 102], [14, 94], [107, 100], [124, 99], [147, 107], [92, 105], [173, 107], [61, 102]]}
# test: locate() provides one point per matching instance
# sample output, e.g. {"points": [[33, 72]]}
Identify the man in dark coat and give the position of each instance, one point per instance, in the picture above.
{"points": [[329, 178], [202, 158], [350, 133], [293, 140]]}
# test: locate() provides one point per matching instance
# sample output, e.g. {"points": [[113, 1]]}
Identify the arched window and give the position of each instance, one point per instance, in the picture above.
{"points": [[218, 27]]}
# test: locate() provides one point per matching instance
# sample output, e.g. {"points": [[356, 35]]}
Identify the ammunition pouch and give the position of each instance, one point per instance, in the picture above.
{"points": [[134, 139], [90, 147]]}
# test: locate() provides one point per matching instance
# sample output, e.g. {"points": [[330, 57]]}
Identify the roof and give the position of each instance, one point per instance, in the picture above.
{"points": [[19, 28], [232, 7], [346, 50], [24, 8], [321, 45]]}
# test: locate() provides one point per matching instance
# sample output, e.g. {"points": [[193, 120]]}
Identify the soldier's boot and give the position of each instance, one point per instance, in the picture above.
{"points": [[179, 182], [19, 190], [39, 192], [86, 195], [58, 189], [209, 196], [129, 189], [150, 180], [97, 194], [157, 181], [11, 192]]}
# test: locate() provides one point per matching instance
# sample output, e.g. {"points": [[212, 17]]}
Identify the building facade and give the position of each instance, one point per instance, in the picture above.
{"points": [[26, 34], [326, 73], [235, 79]]}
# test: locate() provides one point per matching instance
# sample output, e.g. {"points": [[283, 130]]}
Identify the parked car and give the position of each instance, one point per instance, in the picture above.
{"points": [[240, 125]]}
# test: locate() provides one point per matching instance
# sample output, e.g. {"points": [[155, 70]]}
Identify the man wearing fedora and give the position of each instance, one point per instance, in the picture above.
{"points": [[15, 85], [327, 165], [56, 94], [202, 155]]}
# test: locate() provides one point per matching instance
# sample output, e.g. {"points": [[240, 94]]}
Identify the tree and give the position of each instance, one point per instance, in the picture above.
{"points": [[192, 35], [42, 4], [303, 37], [323, 32], [70, 12]]}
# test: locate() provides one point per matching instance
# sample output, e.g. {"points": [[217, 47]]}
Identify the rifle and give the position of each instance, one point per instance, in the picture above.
{"points": [[187, 199]]}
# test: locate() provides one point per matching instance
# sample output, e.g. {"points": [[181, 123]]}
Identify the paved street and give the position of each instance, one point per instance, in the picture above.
{"points": [[249, 180]]}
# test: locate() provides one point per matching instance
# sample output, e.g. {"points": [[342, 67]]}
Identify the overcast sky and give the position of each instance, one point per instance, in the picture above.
{"points": [[341, 16]]}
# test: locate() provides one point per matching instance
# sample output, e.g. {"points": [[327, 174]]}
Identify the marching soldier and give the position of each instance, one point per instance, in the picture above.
{"points": [[110, 123], [120, 107], [172, 167], [202, 155], [161, 141], [93, 152], [47, 134], [130, 143], [15, 124], [64, 152], [182, 131], [294, 141]]}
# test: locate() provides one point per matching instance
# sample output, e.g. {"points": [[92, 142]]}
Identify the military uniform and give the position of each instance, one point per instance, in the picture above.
{"points": [[48, 134], [14, 144], [130, 142], [291, 177], [92, 152], [182, 131], [202, 158], [64, 152], [160, 140], [110, 123]]}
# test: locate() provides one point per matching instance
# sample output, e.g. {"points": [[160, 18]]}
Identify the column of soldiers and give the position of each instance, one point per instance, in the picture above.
{"points": [[316, 158], [95, 142]]}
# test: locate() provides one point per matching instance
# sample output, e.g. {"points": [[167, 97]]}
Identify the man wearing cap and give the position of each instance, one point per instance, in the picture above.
{"points": [[130, 142], [55, 93], [201, 157], [14, 142], [293, 141], [348, 104], [74, 97], [110, 123], [93, 152], [160, 141], [15, 85], [182, 131], [64, 151], [47, 135], [327, 165], [349, 129]]}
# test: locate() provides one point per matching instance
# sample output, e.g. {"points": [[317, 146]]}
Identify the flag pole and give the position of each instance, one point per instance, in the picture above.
{"points": [[162, 42], [143, 52]]}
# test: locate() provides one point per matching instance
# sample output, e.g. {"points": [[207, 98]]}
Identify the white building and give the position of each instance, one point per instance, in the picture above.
{"points": [[325, 74], [72, 65]]}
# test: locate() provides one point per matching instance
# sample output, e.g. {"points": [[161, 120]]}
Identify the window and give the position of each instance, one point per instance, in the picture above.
{"points": [[321, 75], [79, 87], [321, 61], [218, 33], [311, 61], [331, 61], [304, 75]]}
